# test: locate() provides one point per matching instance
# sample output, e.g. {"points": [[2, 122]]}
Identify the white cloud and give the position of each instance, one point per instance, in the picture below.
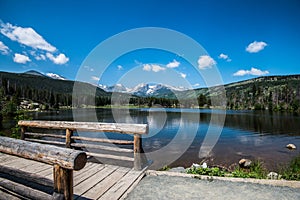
{"points": [[26, 36], [19, 58], [182, 75], [95, 78], [253, 71], [40, 57], [173, 64], [255, 47], [196, 85], [224, 57], [157, 68], [55, 76], [147, 67], [59, 60], [88, 68], [205, 62], [153, 67], [3, 48], [120, 67]]}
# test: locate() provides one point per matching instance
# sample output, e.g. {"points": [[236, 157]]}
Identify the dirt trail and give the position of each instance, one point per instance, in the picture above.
{"points": [[173, 187]]}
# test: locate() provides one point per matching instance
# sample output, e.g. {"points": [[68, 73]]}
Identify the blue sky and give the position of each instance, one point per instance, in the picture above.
{"points": [[243, 39]]}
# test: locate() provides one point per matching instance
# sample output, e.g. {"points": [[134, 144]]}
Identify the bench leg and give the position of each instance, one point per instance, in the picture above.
{"points": [[63, 182]]}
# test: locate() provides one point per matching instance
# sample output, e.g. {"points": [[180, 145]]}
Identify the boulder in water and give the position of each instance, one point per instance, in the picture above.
{"points": [[245, 163], [291, 146]]}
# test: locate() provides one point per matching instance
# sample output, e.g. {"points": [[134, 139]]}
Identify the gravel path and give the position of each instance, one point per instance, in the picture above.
{"points": [[172, 187]]}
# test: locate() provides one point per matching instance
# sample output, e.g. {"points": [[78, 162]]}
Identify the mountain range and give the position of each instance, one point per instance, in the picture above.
{"points": [[143, 89], [267, 92]]}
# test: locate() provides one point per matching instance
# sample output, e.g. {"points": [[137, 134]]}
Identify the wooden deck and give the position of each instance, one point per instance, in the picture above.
{"points": [[94, 181]]}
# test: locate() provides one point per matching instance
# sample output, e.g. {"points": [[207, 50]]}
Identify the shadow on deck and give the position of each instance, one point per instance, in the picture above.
{"points": [[94, 181]]}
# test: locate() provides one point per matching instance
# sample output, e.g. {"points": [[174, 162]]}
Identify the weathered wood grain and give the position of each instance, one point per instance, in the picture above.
{"points": [[101, 155], [29, 176], [45, 135], [102, 147], [63, 181], [98, 190], [24, 190], [93, 181], [118, 189], [88, 126], [87, 184], [111, 141], [45, 141], [66, 158]]}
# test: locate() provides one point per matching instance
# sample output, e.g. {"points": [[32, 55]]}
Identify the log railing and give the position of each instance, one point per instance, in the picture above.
{"points": [[93, 143], [64, 161]]}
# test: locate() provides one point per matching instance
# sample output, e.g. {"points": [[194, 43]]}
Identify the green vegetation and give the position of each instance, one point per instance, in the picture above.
{"points": [[292, 172], [165, 168], [256, 170], [274, 93], [214, 171]]}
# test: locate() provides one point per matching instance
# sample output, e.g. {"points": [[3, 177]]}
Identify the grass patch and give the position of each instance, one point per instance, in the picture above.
{"points": [[214, 171], [256, 170], [292, 172]]}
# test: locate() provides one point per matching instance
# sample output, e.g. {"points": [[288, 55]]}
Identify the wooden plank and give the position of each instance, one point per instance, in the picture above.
{"points": [[45, 141], [24, 190], [19, 163], [66, 158], [29, 176], [87, 174], [111, 141], [100, 155], [47, 173], [45, 135], [5, 158], [116, 191], [84, 186], [98, 190], [88, 126], [88, 166], [37, 168], [107, 148], [8, 195]]}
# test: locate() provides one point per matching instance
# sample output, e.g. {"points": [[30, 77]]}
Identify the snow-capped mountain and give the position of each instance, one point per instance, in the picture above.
{"points": [[115, 88], [55, 76], [50, 75], [143, 89]]}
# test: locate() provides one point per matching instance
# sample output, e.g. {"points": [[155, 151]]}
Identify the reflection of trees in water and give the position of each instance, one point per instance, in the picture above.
{"points": [[276, 123]]}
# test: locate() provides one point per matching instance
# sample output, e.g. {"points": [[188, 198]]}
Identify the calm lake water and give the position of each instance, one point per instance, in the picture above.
{"points": [[176, 135]]}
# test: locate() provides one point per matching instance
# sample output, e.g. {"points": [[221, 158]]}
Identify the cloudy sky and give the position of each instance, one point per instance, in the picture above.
{"points": [[242, 39]]}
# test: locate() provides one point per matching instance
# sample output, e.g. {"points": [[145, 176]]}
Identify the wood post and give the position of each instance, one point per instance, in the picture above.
{"points": [[23, 130], [63, 181], [69, 134], [137, 143]]}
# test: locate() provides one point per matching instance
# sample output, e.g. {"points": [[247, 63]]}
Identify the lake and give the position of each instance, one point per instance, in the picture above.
{"points": [[176, 135]]}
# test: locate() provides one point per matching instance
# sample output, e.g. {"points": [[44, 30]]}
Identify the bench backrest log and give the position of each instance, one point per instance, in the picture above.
{"points": [[64, 161], [137, 130]]}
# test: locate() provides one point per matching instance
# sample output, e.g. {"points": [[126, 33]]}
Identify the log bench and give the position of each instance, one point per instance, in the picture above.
{"points": [[64, 161], [90, 144]]}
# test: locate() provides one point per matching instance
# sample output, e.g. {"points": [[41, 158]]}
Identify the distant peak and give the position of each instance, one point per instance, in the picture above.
{"points": [[33, 72], [55, 76]]}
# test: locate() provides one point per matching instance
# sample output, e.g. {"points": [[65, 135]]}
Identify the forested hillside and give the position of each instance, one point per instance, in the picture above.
{"points": [[278, 93], [46, 90], [273, 93]]}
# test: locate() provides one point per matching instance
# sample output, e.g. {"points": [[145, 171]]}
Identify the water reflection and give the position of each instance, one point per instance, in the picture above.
{"points": [[259, 135]]}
